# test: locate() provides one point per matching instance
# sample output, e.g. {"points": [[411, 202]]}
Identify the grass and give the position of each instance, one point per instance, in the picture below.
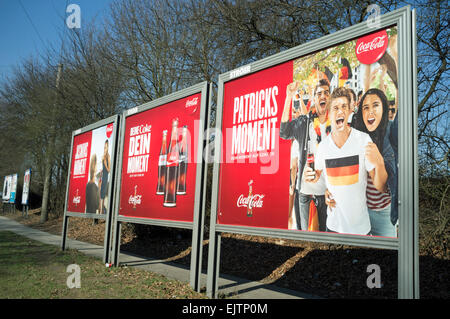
{"points": [[30, 269]]}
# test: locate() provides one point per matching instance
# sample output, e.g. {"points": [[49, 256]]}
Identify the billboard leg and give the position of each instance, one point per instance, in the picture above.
{"points": [[196, 254], [213, 264], [116, 244], [64, 232], [107, 239], [408, 253]]}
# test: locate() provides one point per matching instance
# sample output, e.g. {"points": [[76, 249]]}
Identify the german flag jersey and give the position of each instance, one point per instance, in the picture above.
{"points": [[345, 172]]}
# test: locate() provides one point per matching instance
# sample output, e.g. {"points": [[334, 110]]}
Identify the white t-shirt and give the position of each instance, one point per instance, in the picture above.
{"points": [[345, 171], [319, 187]]}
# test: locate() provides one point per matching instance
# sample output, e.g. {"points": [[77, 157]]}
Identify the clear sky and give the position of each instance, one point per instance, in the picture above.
{"points": [[29, 26]]}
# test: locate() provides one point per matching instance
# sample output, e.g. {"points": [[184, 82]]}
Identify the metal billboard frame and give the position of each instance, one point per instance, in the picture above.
{"points": [[407, 241], [204, 88], [115, 119]]}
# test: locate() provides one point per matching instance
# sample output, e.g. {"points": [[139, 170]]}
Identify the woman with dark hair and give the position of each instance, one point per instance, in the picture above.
{"points": [[106, 167], [372, 118]]}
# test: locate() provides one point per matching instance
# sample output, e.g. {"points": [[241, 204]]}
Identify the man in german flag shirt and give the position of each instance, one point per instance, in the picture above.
{"points": [[345, 158]]}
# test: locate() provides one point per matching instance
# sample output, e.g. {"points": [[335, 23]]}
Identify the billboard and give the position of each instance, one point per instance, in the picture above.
{"points": [[13, 189], [26, 186], [90, 171], [160, 175], [159, 161], [310, 144], [6, 188], [319, 143], [90, 181]]}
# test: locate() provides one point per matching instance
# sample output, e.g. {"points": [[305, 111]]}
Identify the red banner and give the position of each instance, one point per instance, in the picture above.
{"points": [[79, 172], [253, 189], [159, 161]]}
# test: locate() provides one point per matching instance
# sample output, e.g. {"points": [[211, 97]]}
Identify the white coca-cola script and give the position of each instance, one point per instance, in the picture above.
{"points": [[376, 43], [134, 200], [192, 102], [250, 201]]}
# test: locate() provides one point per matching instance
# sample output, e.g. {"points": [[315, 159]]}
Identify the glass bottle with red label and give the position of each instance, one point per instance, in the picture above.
{"points": [[249, 202], [170, 188], [310, 155], [183, 162], [162, 165]]}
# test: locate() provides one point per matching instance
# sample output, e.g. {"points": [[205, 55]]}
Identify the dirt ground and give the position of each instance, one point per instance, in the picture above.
{"points": [[325, 270]]}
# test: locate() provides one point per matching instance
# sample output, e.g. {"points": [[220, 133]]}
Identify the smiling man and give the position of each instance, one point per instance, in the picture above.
{"points": [[309, 129], [344, 159]]}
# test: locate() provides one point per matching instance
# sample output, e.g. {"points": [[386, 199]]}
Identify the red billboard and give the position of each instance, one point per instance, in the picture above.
{"points": [[90, 171], [311, 144], [159, 161]]}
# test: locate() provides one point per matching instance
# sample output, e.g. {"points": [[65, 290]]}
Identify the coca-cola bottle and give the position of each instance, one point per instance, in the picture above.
{"points": [[249, 202], [162, 165], [310, 156], [134, 198], [183, 162], [170, 188]]}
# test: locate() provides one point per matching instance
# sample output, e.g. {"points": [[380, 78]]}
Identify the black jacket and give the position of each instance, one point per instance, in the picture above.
{"points": [[297, 129]]}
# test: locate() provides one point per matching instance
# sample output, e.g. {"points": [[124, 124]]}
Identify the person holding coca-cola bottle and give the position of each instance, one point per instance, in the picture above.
{"points": [[310, 128]]}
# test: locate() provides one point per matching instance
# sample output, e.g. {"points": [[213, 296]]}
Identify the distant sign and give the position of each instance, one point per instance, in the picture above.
{"points": [[12, 197], [6, 188], [26, 186]]}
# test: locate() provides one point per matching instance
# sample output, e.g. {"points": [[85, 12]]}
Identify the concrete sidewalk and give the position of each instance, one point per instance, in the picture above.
{"points": [[229, 286]]}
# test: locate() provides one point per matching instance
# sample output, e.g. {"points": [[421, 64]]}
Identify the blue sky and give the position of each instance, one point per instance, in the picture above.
{"points": [[29, 26]]}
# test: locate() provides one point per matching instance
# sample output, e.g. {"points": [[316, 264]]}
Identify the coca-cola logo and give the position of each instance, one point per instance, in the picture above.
{"points": [[109, 130], [370, 48], [251, 201], [191, 105], [135, 200], [173, 159], [76, 199], [192, 102]]}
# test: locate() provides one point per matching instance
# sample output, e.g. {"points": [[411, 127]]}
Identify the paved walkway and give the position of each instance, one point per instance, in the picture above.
{"points": [[228, 285]]}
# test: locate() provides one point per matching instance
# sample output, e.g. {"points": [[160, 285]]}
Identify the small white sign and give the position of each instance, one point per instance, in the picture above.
{"points": [[239, 72], [132, 110]]}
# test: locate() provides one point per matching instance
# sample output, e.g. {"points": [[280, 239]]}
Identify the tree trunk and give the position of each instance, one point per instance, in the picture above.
{"points": [[46, 191], [50, 155]]}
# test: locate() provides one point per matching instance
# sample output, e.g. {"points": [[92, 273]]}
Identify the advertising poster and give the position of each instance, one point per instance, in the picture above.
{"points": [[6, 188], [311, 144], [159, 161], [90, 177], [26, 186], [13, 189]]}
